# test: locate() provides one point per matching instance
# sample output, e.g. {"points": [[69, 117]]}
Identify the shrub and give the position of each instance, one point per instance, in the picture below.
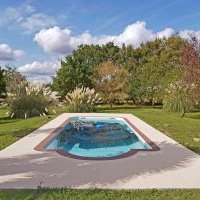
{"points": [[82, 100], [33, 102], [29, 106], [51, 97]]}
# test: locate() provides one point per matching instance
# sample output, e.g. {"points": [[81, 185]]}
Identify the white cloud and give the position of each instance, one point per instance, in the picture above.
{"points": [[7, 53], [40, 71], [26, 18], [37, 21], [186, 34], [54, 40], [38, 68], [167, 32], [39, 79], [12, 14], [135, 34], [62, 41]]}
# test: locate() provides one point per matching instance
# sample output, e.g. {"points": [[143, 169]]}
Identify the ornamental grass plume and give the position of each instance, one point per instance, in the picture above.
{"points": [[34, 102], [82, 100]]}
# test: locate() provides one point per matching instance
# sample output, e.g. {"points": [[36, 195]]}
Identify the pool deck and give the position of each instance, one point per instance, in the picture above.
{"points": [[173, 166]]}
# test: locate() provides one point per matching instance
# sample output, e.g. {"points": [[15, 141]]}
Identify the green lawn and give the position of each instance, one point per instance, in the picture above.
{"points": [[95, 194], [182, 130], [12, 130]]}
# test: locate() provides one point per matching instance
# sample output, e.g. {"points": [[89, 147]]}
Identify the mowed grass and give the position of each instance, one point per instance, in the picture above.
{"points": [[12, 130], [183, 130], [96, 194]]}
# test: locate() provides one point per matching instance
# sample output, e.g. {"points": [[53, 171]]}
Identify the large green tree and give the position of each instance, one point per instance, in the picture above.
{"points": [[159, 66], [153, 66], [77, 69], [128, 57]]}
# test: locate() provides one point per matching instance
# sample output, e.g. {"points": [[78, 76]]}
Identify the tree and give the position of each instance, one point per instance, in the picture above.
{"points": [[128, 57], [158, 66], [178, 97], [33, 102], [2, 81], [136, 89], [153, 66], [77, 69], [190, 60], [111, 82], [16, 83], [150, 77]]}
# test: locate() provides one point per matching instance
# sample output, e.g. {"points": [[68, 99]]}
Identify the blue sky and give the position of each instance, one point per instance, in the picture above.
{"points": [[34, 34]]}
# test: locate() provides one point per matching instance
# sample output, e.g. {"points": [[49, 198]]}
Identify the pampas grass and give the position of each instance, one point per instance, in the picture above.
{"points": [[82, 100]]}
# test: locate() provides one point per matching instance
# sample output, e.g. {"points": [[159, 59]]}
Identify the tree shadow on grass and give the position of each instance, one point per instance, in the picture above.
{"points": [[22, 133], [19, 133], [54, 170], [127, 107], [194, 117], [8, 120], [115, 108]]}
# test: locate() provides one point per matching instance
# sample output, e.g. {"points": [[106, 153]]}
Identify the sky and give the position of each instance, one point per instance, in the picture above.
{"points": [[35, 35]]}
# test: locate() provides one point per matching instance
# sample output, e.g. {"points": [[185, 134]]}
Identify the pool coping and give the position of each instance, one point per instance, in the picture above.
{"points": [[40, 146]]}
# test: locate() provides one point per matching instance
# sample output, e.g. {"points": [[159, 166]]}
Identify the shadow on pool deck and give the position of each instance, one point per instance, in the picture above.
{"points": [[55, 170]]}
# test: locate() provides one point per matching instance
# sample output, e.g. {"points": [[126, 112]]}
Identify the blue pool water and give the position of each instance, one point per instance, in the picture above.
{"points": [[97, 137]]}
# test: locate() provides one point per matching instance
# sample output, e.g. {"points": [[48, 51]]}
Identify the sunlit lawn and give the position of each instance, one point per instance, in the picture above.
{"points": [[181, 129], [70, 194]]}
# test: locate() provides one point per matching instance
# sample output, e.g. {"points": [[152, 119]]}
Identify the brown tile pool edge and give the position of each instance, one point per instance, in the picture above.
{"points": [[40, 146]]}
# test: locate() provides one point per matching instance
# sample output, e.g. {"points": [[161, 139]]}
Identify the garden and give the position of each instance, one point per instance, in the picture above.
{"points": [[158, 82]]}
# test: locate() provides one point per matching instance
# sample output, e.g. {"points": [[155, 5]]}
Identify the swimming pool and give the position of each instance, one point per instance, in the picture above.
{"points": [[97, 137]]}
